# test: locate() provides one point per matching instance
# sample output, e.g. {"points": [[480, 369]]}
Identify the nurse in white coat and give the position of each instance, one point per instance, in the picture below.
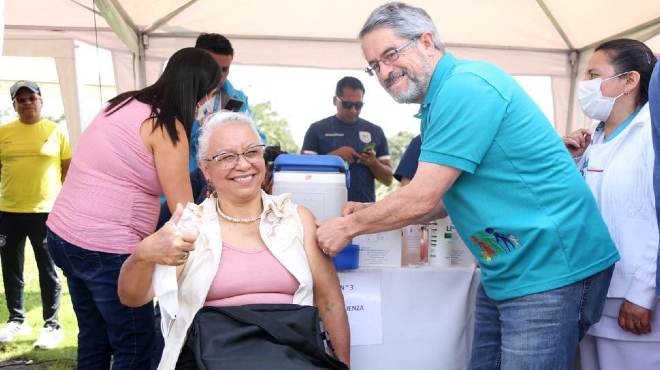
{"points": [[617, 163]]}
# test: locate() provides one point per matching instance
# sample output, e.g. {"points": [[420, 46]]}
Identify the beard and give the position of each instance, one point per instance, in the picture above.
{"points": [[418, 83]]}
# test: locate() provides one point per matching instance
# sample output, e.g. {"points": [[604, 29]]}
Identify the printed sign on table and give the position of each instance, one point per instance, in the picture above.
{"points": [[363, 305]]}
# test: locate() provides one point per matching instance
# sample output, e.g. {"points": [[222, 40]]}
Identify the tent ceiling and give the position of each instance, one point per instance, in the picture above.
{"points": [[342, 19], [518, 24], [50, 13], [589, 22]]}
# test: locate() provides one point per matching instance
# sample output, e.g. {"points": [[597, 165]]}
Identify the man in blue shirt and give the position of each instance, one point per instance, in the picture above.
{"points": [[360, 143], [654, 105], [221, 50], [512, 190]]}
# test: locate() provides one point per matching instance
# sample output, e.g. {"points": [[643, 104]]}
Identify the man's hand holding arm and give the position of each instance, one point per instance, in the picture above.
{"points": [[405, 206]]}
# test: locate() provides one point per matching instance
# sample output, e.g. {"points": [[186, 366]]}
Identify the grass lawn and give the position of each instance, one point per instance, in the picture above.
{"points": [[61, 358]]}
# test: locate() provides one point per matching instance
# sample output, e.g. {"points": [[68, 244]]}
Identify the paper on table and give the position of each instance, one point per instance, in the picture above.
{"points": [[362, 297]]}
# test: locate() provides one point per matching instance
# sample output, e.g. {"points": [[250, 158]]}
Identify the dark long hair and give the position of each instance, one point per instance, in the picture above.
{"points": [[190, 75], [631, 55]]}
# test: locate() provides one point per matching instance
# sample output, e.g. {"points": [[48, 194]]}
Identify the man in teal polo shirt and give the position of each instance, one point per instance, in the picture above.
{"points": [[510, 187]]}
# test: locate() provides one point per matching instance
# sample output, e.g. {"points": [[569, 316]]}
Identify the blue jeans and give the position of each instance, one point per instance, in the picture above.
{"points": [[538, 331], [109, 332]]}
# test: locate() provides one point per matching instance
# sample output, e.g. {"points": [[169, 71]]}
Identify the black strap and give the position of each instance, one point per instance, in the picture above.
{"points": [[282, 333]]}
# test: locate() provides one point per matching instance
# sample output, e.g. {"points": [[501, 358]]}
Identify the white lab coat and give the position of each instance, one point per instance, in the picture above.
{"points": [[620, 175]]}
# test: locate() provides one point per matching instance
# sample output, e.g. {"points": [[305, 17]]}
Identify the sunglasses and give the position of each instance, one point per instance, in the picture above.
{"points": [[350, 104], [26, 99]]}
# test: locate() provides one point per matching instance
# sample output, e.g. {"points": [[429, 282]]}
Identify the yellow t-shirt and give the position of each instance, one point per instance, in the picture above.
{"points": [[31, 159]]}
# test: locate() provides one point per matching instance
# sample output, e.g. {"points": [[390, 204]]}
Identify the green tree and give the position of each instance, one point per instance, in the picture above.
{"points": [[397, 144], [274, 127], [7, 115], [59, 120]]}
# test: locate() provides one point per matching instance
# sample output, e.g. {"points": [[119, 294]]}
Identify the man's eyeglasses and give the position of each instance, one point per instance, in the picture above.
{"points": [[388, 57], [26, 99], [228, 161], [350, 104]]}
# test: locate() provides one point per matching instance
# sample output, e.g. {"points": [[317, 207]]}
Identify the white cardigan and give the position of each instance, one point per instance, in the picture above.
{"points": [[620, 175], [281, 230]]}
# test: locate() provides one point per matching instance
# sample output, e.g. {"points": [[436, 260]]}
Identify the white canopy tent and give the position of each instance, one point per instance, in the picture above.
{"points": [[525, 37]]}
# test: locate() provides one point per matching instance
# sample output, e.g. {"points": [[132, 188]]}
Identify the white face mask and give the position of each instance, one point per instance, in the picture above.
{"points": [[592, 101]]}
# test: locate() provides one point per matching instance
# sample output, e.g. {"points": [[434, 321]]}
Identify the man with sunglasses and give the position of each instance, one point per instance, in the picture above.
{"points": [[34, 158], [491, 158], [358, 142]]}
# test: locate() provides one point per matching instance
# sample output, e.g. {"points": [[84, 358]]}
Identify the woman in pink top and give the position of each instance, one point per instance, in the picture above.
{"points": [[252, 248], [134, 151]]}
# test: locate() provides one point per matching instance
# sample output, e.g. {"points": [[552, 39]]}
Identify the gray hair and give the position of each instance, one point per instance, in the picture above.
{"points": [[406, 21], [215, 120]]}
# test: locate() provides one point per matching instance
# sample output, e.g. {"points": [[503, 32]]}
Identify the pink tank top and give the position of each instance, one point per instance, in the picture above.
{"points": [[110, 198], [250, 278]]}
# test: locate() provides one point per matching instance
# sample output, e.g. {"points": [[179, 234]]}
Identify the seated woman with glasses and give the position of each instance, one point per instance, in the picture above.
{"points": [[252, 247]]}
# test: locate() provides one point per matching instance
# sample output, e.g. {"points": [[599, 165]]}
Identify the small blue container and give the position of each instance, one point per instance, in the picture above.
{"points": [[348, 258]]}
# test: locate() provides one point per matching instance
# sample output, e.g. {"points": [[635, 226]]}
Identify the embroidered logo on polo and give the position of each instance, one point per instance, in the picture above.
{"points": [[365, 136], [494, 243]]}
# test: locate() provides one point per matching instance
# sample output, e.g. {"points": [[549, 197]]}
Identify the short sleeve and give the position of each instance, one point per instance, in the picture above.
{"points": [[409, 160], [462, 123], [382, 149], [65, 146], [311, 142]]}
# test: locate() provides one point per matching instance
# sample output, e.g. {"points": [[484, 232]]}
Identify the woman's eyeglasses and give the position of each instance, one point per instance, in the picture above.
{"points": [[228, 161]]}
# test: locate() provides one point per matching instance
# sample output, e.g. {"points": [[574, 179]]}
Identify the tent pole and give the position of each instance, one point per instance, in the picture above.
{"points": [[573, 59], [86, 7], [140, 60], [555, 23], [122, 25], [168, 17], [127, 31]]}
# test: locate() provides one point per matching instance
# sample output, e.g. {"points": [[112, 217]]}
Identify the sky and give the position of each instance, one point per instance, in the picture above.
{"points": [[300, 95], [304, 96]]}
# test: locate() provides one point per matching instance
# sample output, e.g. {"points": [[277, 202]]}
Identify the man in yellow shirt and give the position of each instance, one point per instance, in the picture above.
{"points": [[34, 158]]}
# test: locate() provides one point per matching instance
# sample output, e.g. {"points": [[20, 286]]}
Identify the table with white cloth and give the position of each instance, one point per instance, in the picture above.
{"points": [[427, 319]]}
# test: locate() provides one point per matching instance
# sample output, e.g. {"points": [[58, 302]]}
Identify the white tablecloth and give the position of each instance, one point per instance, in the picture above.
{"points": [[428, 319]]}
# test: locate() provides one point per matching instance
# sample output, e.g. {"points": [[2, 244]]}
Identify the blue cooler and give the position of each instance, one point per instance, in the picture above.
{"points": [[318, 182]]}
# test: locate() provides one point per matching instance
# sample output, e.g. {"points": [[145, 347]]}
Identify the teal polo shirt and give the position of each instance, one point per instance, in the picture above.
{"points": [[519, 204]]}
